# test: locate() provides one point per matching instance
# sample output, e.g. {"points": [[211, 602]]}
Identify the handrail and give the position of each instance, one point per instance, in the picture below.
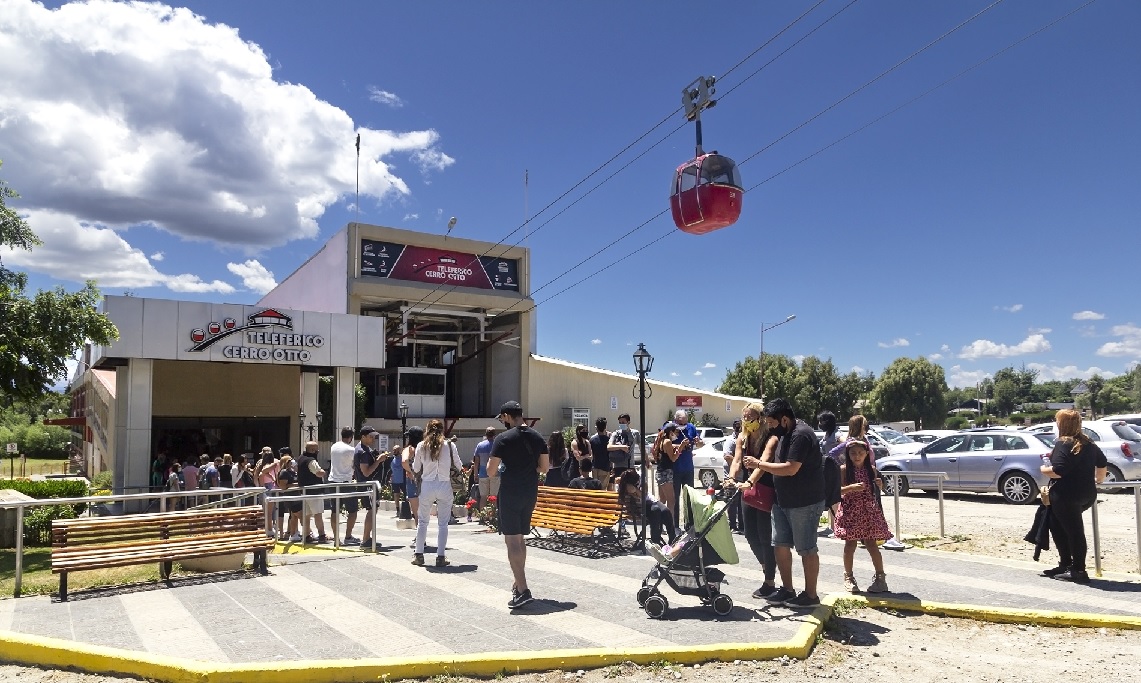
{"points": [[1136, 486], [917, 475]]}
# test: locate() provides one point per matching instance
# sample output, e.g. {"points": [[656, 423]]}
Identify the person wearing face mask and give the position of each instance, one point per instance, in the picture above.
{"points": [[798, 477], [754, 445], [621, 447]]}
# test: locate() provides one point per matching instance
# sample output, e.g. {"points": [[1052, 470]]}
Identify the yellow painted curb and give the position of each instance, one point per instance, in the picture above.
{"points": [[63, 654]]}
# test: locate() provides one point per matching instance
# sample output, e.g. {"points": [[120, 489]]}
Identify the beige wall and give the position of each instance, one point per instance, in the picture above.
{"points": [[197, 389], [555, 385]]}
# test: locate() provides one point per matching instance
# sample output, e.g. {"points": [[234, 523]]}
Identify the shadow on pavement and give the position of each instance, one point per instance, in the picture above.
{"points": [[541, 606], [451, 569], [175, 582]]}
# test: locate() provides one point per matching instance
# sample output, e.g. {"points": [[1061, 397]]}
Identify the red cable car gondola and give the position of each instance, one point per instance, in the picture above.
{"points": [[706, 194], [707, 191]]}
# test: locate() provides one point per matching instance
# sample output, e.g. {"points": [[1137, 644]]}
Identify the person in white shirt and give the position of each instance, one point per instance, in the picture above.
{"points": [[433, 464], [341, 472]]}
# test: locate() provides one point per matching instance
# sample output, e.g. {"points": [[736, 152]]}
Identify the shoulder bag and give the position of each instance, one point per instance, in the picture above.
{"points": [[459, 482], [758, 496]]}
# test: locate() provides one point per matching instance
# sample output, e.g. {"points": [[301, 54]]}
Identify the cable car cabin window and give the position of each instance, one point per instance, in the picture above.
{"points": [[687, 179], [720, 171], [422, 384]]}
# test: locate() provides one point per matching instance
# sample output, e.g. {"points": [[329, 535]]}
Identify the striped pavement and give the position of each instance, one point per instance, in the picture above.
{"points": [[351, 605]]}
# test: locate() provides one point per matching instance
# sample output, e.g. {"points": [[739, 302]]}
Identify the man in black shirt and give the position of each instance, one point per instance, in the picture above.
{"points": [[798, 476], [600, 452], [519, 454]]}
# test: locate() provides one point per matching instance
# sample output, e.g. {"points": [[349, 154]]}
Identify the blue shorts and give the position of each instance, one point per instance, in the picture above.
{"points": [[410, 489], [796, 527]]}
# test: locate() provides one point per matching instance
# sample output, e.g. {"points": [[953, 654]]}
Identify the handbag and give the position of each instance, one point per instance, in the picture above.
{"points": [[1044, 495], [759, 496], [459, 480]]}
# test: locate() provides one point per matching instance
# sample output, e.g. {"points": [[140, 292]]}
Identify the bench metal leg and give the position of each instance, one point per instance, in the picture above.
{"points": [[165, 569], [63, 586]]}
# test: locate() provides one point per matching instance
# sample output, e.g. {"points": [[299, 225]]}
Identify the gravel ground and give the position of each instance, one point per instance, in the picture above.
{"points": [[865, 645], [984, 524]]}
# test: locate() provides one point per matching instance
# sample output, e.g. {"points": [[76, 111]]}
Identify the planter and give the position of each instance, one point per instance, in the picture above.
{"points": [[215, 563]]}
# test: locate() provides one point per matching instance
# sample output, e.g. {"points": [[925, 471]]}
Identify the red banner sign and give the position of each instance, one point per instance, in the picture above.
{"points": [[688, 402]]}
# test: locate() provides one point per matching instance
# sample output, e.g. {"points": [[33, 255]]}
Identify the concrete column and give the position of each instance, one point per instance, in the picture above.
{"points": [[309, 407], [133, 393], [344, 388]]}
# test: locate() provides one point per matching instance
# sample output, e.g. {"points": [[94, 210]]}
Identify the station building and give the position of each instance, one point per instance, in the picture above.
{"points": [[396, 325]]}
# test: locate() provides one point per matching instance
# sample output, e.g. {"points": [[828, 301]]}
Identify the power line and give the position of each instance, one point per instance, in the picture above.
{"points": [[673, 231], [782, 31]]}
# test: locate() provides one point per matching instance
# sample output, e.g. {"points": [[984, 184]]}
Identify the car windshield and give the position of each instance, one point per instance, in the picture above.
{"points": [[894, 437], [1047, 439], [1124, 431]]}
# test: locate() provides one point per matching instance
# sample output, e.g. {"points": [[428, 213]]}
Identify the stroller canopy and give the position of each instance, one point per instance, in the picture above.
{"points": [[707, 519]]}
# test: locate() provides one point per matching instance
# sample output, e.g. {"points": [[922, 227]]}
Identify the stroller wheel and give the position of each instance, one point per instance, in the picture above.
{"points": [[656, 606], [722, 605], [643, 594]]}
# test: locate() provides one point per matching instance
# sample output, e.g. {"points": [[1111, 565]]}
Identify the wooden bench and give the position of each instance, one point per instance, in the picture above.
{"points": [[576, 511], [165, 538]]}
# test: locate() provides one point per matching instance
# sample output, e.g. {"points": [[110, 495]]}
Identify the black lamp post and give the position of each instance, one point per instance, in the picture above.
{"points": [[643, 363], [311, 427], [403, 424]]}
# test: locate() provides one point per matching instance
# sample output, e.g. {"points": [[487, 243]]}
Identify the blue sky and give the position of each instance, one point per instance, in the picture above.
{"points": [[205, 154]]}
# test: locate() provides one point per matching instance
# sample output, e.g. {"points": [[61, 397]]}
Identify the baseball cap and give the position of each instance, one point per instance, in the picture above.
{"points": [[510, 408], [366, 430]]}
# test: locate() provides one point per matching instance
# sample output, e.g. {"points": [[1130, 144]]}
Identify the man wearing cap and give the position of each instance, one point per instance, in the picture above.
{"points": [[366, 468], [519, 454], [341, 456]]}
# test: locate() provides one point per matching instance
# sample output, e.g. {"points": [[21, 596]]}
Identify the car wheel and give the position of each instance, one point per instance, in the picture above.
{"points": [[1112, 476], [889, 484], [656, 606], [708, 479], [1018, 488]]}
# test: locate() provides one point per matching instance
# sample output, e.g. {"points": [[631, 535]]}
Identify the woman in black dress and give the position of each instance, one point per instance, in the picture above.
{"points": [[1076, 467]]}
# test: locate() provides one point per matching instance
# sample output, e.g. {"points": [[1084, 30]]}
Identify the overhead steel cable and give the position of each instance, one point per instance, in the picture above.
{"points": [[673, 231], [775, 36]]}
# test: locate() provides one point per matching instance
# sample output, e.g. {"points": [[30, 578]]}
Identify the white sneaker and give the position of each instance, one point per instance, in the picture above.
{"points": [[893, 544], [295, 538]]}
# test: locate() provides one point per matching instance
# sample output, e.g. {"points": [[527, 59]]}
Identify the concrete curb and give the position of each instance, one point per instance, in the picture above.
{"points": [[63, 654]]}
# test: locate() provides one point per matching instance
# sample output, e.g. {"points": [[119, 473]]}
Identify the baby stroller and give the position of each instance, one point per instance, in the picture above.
{"points": [[686, 565]]}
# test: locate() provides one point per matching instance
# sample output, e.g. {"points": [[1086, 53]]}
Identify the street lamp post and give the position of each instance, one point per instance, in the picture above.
{"points": [[761, 358], [643, 363], [403, 424], [311, 427]]}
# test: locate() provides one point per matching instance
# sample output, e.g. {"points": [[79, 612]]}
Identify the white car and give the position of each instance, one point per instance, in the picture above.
{"points": [[897, 443], [709, 461]]}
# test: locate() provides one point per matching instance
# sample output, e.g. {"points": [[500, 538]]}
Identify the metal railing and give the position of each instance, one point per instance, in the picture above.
{"points": [[911, 477], [1136, 486], [368, 488]]}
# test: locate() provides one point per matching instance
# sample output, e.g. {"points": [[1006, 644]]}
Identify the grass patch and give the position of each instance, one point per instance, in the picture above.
{"points": [[39, 580], [33, 466], [845, 606]]}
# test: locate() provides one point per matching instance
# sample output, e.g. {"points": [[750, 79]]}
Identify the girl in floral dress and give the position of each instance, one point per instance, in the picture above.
{"points": [[859, 517]]}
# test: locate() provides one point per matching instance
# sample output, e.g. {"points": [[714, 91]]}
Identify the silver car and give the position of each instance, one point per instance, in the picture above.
{"points": [[1006, 461], [1120, 443]]}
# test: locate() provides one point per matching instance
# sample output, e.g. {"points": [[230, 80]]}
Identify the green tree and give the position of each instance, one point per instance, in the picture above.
{"points": [[38, 334], [1005, 396], [911, 389], [782, 378]]}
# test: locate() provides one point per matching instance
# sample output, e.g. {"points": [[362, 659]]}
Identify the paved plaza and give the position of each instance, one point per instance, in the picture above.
{"points": [[352, 605]]}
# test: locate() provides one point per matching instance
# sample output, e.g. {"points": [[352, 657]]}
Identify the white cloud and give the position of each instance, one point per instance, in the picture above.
{"points": [[131, 113], [384, 97], [1129, 346], [1039, 330], [709, 365], [894, 343], [965, 378], [411, 216], [157, 256], [858, 370], [944, 348], [76, 252], [697, 373], [1049, 372], [984, 348], [1088, 315], [1009, 309], [255, 276], [935, 356], [596, 342], [799, 358], [674, 374]]}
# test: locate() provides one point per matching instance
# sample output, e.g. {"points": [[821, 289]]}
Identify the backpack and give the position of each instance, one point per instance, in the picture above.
{"points": [[247, 478]]}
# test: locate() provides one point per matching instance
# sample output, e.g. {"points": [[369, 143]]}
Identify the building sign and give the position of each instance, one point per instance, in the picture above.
{"points": [[267, 335], [437, 266], [688, 402]]}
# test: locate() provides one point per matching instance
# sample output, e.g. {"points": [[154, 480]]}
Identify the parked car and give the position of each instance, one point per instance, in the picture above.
{"points": [[709, 461], [1008, 462], [880, 447], [1120, 443], [1134, 419], [929, 435], [897, 442]]}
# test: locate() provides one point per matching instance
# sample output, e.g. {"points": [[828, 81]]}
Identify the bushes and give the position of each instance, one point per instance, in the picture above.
{"points": [[59, 488], [956, 422], [38, 522], [103, 481]]}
